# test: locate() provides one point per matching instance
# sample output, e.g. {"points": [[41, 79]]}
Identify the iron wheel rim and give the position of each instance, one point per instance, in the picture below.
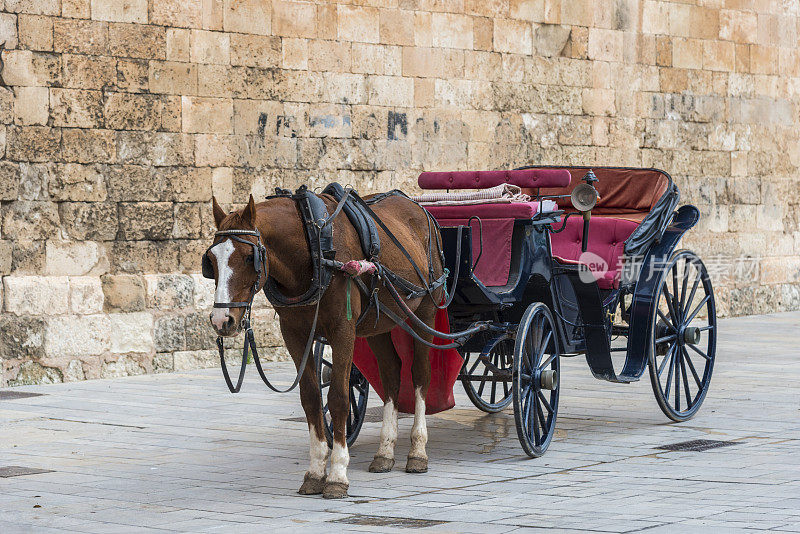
{"points": [[684, 293], [536, 408], [501, 356]]}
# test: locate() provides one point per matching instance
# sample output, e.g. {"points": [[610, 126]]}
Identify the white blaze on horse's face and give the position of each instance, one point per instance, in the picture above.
{"points": [[222, 252]]}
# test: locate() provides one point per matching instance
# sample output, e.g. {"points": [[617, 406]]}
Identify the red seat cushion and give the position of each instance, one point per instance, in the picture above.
{"points": [[603, 255], [533, 178], [496, 210]]}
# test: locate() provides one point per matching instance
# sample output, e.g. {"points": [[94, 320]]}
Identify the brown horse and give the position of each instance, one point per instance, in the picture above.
{"points": [[289, 264]]}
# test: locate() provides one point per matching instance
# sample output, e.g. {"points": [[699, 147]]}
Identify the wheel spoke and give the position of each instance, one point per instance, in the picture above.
{"points": [[483, 382], [685, 383], [670, 304], [477, 361], [534, 424], [667, 357], [675, 287], [694, 289], [544, 401], [669, 374], [542, 419], [692, 369], [700, 352], [494, 392], [666, 320], [697, 309], [666, 338], [677, 382], [708, 327], [686, 265], [545, 343]]}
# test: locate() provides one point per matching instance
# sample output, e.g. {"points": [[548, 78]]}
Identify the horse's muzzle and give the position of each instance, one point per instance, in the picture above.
{"points": [[225, 326]]}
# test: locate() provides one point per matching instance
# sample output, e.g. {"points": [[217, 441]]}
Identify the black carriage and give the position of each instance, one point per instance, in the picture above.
{"points": [[587, 266]]}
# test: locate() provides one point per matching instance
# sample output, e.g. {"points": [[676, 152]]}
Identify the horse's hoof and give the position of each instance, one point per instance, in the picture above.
{"points": [[417, 465], [335, 490], [311, 486], [381, 464]]}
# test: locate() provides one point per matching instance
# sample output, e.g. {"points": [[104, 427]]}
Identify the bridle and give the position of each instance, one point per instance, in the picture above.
{"points": [[259, 265]]}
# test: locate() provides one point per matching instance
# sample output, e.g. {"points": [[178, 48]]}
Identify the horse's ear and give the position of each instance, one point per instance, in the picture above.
{"points": [[219, 214], [249, 213]]}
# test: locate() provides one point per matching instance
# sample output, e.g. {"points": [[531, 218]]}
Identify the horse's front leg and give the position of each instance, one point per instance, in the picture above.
{"points": [[311, 399], [336, 484]]}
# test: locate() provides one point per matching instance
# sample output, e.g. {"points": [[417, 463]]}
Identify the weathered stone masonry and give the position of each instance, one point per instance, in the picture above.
{"points": [[120, 118]]}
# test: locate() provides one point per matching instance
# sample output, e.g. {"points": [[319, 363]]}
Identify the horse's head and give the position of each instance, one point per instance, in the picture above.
{"points": [[238, 264]]}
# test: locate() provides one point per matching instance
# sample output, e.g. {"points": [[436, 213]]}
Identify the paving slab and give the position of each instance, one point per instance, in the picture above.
{"points": [[178, 453]]}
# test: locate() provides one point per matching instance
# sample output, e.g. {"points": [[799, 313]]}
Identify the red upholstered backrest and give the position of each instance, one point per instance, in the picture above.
{"points": [[532, 178]]}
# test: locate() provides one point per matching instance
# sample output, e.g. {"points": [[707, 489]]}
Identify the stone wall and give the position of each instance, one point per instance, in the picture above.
{"points": [[120, 118]]}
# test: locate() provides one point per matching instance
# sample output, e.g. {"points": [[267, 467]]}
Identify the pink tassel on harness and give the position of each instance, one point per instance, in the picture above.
{"points": [[359, 267]]}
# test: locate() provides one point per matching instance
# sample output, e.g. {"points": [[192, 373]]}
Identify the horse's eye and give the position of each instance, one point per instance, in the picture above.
{"points": [[249, 259]]}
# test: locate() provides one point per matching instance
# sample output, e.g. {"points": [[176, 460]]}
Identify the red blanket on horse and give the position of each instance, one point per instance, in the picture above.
{"points": [[445, 366]]}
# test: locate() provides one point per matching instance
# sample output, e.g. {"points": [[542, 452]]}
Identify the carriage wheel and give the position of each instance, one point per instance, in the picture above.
{"points": [[683, 337], [359, 392], [487, 376], [535, 382]]}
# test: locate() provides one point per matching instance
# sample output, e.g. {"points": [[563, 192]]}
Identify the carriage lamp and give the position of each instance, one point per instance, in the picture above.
{"points": [[584, 197]]}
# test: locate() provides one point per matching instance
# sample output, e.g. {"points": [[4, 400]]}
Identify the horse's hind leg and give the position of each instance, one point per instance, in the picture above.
{"points": [[389, 368], [421, 374]]}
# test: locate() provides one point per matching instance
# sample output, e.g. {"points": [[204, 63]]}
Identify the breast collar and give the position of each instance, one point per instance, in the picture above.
{"points": [[313, 214]]}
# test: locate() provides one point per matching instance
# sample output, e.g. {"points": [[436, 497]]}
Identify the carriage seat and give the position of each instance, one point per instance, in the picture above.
{"points": [[492, 243], [626, 198], [607, 236]]}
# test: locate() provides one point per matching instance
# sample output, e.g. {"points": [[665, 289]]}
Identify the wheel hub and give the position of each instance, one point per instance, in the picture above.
{"points": [[548, 379], [691, 335]]}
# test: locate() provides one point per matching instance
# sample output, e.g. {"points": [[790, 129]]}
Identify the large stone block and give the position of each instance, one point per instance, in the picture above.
{"points": [[6, 251], [154, 148], [173, 78], [210, 47], [247, 16], [89, 220], [85, 295], [74, 258], [145, 220], [27, 257], [9, 180], [207, 115], [36, 295], [33, 143], [123, 293], [74, 336], [514, 36], [126, 111], [169, 291], [131, 332], [88, 146], [294, 19], [195, 359], [79, 9], [145, 256], [133, 75], [8, 30], [392, 91], [188, 220], [80, 36], [32, 106], [169, 333], [359, 24], [126, 365], [138, 41], [255, 50], [34, 180], [36, 7], [88, 72], [76, 108], [30, 220], [72, 181], [21, 338], [30, 373], [200, 334], [120, 10], [181, 13], [395, 27], [36, 32]]}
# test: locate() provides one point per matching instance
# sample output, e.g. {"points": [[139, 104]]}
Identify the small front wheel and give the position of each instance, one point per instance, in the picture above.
{"points": [[359, 393], [536, 377]]}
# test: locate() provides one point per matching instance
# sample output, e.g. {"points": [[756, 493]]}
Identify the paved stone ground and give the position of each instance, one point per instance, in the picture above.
{"points": [[178, 453]]}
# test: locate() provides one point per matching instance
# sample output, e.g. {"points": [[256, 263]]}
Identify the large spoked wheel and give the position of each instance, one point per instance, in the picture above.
{"points": [[486, 376], [359, 393], [683, 337], [536, 378]]}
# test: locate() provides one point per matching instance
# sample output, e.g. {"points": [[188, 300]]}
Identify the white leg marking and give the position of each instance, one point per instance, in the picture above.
{"points": [[388, 430], [318, 453], [340, 458], [419, 432], [222, 252]]}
